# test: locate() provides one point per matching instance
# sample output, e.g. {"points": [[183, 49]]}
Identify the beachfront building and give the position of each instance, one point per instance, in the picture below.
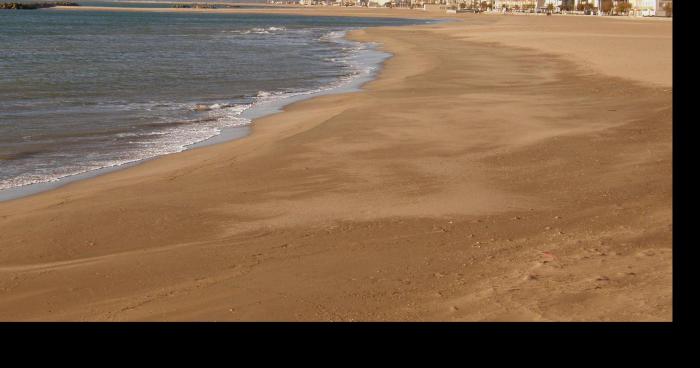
{"points": [[599, 7], [401, 3], [642, 7], [377, 3], [660, 8], [519, 5], [558, 5], [429, 2], [582, 4], [648, 8], [637, 8], [396, 3], [471, 4], [374, 3], [542, 5]]}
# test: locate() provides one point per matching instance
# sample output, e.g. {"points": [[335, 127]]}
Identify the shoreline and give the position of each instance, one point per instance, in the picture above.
{"points": [[257, 110], [508, 184]]}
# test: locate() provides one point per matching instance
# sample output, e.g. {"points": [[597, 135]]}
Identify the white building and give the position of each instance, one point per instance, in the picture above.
{"points": [[639, 7], [377, 3], [594, 3], [559, 4], [643, 7], [648, 8], [519, 4]]}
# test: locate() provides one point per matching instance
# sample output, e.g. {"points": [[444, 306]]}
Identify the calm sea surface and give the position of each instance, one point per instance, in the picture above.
{"points": [[81, 91]]}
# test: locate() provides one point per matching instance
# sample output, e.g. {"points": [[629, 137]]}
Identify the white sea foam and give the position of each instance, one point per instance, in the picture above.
{"points": [[258, 30], [153, 143]]}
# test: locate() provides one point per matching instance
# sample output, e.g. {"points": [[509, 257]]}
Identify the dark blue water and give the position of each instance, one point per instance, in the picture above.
{"points": [[86, 90]]}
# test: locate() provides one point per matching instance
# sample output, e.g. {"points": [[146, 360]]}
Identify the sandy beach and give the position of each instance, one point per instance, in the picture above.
{"points": [[500, 168]]}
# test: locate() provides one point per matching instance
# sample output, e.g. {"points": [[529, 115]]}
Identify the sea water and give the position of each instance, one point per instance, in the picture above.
{"points": [[81, 91]]}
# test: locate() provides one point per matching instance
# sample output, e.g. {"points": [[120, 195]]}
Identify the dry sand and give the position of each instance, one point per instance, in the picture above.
{"points": [[496, 170]]}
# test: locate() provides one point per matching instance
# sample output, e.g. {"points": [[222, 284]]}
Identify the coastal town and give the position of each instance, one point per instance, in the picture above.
{"points": [[637, 8], [633, 8]]}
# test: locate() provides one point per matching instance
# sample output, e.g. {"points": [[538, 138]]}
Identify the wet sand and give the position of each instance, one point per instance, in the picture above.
{"points": [[494, 171]]}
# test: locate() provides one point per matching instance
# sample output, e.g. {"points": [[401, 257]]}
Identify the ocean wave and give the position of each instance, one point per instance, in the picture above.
{"points": [[216, 106], [334, 36], [163, 138], [258, 30]]}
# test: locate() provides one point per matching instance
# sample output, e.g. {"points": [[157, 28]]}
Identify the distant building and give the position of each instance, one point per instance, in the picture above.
{"points": [[517, 4], [660, 7], [642, 7], [378, 3], [645, 8], [559, 5], [596, 4], [541, 5]]}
